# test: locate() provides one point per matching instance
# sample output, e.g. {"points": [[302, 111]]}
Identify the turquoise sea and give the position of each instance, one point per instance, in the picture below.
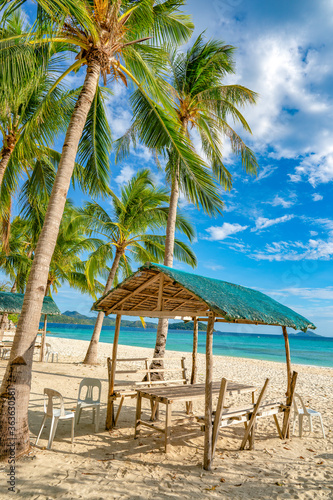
{"points": [[307, 351]]}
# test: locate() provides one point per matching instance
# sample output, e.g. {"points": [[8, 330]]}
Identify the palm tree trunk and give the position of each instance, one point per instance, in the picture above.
{"points": [[17, 379], [91, 356], [5, 157], [4, 321], [162, 329]]}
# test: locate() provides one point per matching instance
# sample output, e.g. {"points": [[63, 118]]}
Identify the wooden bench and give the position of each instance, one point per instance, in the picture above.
{"points": [[128, 388], [249, 414]]}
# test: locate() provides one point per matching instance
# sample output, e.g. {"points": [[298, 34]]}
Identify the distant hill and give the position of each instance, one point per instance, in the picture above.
{"points": [[76, 318], [309, 333]]}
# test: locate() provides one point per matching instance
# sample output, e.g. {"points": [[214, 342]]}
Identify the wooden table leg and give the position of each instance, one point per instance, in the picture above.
{"points": [[138, 416], [167, 426]]}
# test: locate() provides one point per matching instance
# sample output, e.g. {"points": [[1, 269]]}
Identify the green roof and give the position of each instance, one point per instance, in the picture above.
{"points": [[12, 303], [235, 301]]}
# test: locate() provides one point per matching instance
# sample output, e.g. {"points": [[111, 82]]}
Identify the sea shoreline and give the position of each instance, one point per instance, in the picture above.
{"points": [[304, 351], [106, 347]]}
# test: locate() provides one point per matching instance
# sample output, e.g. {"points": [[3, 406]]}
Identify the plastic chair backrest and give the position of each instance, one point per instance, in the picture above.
{"points": [[48, 347], [49, 406], [297, 399], [90, 383]]}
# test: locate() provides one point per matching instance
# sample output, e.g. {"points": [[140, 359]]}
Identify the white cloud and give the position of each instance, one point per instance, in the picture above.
{"points": [[213, 267], [317, 197], [264, 223], [265, 172], [295, 251], [313, 233], [219, 233], [310, 293], [126, 174], [278, 201], [316, 168]]}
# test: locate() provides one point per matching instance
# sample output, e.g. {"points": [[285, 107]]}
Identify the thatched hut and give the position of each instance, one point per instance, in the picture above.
{"points": [[158, 291]]}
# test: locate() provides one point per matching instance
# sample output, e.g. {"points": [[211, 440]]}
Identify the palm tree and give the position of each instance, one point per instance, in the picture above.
{"points": [[140, 208], [198, 99], [31, 111], [108, 34]]}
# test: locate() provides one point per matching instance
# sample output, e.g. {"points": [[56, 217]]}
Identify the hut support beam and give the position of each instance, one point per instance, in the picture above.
{"points": [[110, 421], [209, 394], [43, 341], [289, 373], [195, 351]]}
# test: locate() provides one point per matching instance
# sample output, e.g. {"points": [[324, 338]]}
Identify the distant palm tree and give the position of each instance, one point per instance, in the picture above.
{"points": [[141, 208], [198, 99]]}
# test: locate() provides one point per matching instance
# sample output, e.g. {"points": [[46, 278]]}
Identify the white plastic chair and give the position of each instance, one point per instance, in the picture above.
{"points": [[55, 413], [92, 399], [301, 411], [50, 352]]}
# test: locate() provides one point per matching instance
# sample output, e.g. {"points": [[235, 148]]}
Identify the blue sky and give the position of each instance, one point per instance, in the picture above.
{"points": [[276, 233]]}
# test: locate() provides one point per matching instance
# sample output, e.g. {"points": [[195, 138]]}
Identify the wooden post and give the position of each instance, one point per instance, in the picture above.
{"points": [[209, 393], [218, 414], [110, 421], [195, 351], [286, 343], [286, 417], [251, 424], [43, 341]]}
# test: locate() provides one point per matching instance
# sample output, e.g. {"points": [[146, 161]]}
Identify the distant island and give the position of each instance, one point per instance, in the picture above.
{"points": [[308, 333], [75, 318]]}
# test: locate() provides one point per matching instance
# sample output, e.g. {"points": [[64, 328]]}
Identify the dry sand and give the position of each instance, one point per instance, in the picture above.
{"points": [[114, 465]]}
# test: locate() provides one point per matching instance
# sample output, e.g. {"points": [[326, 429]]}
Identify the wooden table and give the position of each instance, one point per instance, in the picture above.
{"points": [[179, 393]]}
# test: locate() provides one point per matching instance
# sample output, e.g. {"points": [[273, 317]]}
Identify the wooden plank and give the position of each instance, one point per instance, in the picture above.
{"points": [[156, 382], [144, 359], [150, 370], [158, 314], [182, 392], [208, 394], [138, 304], [152, 426], [218, 414], [160, 293], [110, 407], [253, 416], [134, 292], [187, 303]]}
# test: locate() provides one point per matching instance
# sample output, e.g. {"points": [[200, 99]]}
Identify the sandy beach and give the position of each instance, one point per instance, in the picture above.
{"points": [[114, 465]]}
